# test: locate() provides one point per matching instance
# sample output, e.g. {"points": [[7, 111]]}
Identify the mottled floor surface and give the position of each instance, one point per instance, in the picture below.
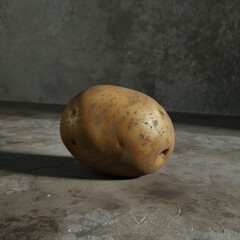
{"points": [[46, 194]]}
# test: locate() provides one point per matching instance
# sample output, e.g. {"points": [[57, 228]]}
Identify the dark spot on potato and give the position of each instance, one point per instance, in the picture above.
{"points": [[121, 143], [73, 142], [72, 125], [135, 123], [150, 113], [155, 123], [141, 136], [151, 127], [73, 112], [135, 112], [146, 123], [127, 113]]}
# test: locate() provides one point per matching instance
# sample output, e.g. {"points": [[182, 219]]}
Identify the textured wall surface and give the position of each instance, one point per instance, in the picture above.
{"points": [[185, 54]]}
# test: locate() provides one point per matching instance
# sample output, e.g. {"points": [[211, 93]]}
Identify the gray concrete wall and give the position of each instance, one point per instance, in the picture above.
{"points": [[185, 54]]}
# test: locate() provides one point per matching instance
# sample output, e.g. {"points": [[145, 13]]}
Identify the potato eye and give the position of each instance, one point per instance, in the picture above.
{"points": [[164, 153]]}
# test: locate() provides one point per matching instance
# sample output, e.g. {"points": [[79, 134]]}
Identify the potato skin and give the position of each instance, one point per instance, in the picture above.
{"points": [[118, 131]]}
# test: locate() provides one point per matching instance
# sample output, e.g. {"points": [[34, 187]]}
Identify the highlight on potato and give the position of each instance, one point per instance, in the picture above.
{"points": [[117, 130]]}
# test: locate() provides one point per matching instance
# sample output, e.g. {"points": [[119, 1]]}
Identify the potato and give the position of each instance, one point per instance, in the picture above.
{"points": [[117, 131]]}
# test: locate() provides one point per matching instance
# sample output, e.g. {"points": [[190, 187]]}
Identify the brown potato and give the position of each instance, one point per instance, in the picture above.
{"points": [[117, 130]]}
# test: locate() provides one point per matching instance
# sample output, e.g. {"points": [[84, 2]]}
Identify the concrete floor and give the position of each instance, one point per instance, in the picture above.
{"points": [[46, 194]]}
